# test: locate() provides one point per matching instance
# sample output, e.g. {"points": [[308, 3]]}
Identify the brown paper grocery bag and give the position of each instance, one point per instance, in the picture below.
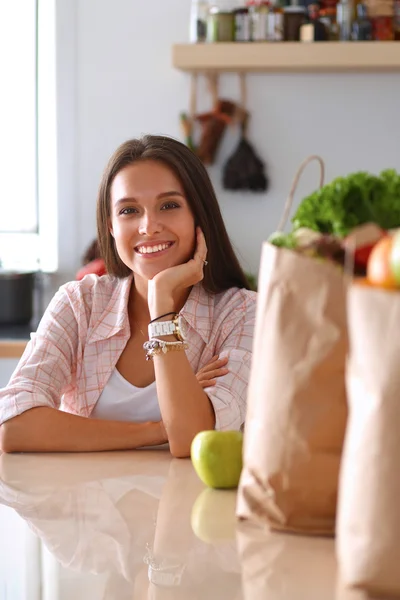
{"points": [[368, 528], [296, 411]]}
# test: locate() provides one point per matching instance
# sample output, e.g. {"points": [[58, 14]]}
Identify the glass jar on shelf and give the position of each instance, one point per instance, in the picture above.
{"points": [[259, 16], [242, 23], [293, 18], [198, 21], [275, 22], [221, 22]]}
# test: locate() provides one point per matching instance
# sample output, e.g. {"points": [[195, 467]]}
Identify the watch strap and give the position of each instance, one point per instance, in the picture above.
{"points": [[160, 328]]}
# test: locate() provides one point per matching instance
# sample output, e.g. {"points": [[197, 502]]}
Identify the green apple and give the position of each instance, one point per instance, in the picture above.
{"points": [[213, 516], [217, 457]]}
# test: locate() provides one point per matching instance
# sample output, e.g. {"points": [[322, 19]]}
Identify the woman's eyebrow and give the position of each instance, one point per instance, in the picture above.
{"points": [[125, 200], [131, 199], [171, 193]]}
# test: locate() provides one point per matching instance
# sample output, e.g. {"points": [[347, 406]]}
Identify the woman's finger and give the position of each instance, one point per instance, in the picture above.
{"points": [[215, 373], [214, 363], [207, 383], [201, 248]]}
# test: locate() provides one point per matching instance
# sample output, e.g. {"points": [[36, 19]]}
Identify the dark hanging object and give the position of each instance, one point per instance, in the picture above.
{"points": [[244, 170], [213, 125]]}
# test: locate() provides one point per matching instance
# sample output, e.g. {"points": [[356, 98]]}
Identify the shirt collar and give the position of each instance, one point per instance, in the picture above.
{"points": [[114, 318]]}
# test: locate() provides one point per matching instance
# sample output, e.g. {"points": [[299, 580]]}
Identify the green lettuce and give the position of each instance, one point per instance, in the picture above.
{"points": [[347, 202]]}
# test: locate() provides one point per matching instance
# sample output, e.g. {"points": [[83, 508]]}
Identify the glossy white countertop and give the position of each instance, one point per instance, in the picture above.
{"points": [[140, 525]]}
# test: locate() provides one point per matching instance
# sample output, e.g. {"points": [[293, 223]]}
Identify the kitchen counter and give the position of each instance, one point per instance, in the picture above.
{"points": [[140, 524], [13, 339]]}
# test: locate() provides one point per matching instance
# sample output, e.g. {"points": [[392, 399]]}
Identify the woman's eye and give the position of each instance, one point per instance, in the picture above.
{"points": [[128, 211], [169, 205]]}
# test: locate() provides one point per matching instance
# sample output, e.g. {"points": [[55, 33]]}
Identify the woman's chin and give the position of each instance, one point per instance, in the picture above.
{"points": [[147, 273]]}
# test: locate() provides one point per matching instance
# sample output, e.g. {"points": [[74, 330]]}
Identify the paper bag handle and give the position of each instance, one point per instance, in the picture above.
{"points": [[289, 200]]}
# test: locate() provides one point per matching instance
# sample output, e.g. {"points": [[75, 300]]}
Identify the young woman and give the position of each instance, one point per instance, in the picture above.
{"points": [[172, 277]]}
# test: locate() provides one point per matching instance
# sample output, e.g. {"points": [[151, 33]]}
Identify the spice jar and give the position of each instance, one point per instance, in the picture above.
{"points": [[220, 25], [293, 18]]}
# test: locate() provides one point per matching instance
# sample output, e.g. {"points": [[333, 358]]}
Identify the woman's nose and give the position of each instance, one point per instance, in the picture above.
{"points": [[149, 225]]}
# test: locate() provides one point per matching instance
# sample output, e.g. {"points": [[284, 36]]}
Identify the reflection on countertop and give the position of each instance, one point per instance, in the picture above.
{"points": [[139, 525]]}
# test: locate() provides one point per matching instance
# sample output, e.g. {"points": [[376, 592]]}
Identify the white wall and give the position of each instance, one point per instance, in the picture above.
{"points": [[124, 86]]}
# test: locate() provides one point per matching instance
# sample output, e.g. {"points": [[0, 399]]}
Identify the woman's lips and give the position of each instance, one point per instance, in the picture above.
{"points": [[153, 250]]}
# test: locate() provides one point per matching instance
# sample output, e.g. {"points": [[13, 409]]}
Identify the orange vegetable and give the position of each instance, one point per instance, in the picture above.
{"points": [[379, 270]]}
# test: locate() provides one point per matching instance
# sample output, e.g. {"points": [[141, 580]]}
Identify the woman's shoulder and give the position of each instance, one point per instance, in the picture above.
{"points": [[93, 291], [91, 285], [236, 298]]}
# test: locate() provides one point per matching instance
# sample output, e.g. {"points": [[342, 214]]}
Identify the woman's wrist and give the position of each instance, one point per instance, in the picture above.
{"points": [[160, 302]]}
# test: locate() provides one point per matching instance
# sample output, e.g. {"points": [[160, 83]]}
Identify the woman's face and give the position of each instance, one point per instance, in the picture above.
{"points": [[151, 221]]}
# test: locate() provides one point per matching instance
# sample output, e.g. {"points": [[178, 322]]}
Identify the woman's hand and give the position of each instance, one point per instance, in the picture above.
{"points": [[213, 369], [168, 285]]}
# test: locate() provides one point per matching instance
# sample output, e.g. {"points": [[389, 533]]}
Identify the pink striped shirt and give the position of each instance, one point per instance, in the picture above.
{"points": [[85, 328]]}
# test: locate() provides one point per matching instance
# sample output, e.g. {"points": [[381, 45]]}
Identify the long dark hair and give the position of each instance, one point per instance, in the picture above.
{"points": [[223, 270]]}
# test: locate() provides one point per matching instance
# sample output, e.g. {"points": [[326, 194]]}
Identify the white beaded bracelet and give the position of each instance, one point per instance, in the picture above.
{"points": [[156, 346]]}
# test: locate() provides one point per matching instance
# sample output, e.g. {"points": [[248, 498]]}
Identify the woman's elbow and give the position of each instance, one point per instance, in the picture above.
{"points": [[179, 446], [178, 452], [7, 438]]}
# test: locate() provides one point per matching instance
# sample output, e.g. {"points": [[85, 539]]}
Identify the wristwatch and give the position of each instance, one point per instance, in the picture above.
{"points": [[160, 328]]}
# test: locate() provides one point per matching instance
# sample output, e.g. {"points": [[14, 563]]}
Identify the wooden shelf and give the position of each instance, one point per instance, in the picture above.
{"points": [[288, 57]]}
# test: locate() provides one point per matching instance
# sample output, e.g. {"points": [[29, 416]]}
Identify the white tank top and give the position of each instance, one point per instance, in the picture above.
{"points": [[122, 401]]}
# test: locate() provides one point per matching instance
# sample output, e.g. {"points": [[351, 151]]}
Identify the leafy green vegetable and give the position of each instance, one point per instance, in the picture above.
{"points": [[349, 201], [283, 240]]}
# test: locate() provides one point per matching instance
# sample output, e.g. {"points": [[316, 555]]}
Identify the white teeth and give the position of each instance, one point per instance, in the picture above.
{"points": [[151, 249]]}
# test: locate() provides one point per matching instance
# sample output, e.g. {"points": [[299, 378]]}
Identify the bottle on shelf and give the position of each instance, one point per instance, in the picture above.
{"points": [[259, 20], [242, 23], [344, 14], [275, 22], [362, 28], [198, 21], [328, 18], [313, 29]]}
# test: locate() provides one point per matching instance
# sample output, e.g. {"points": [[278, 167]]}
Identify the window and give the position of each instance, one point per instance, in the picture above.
{"points": [[28, 189]]}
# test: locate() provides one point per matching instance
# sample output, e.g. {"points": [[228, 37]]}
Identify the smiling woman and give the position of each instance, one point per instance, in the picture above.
{"points": [[172, 273]]}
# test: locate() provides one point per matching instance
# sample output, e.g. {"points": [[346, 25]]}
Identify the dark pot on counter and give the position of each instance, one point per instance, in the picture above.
{"points": [[16, 297]]}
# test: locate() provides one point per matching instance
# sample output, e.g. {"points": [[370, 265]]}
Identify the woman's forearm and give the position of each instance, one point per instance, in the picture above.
{"points": [[185, 407], [46, 429]]}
